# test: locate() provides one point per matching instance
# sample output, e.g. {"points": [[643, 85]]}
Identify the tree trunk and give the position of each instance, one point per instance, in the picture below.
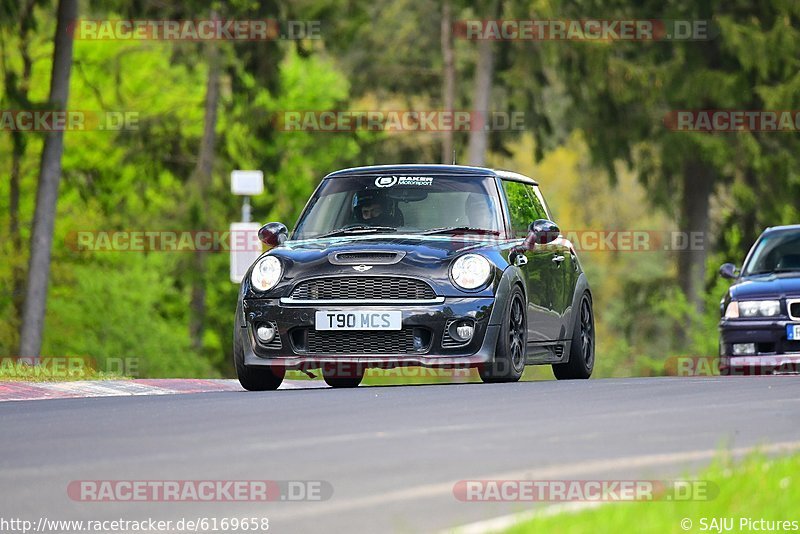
{"points": [[17, 271], [698, 184], [47, 193], [484, 72], [19, 98], [202, 182], [749, 220], [448, 77]]}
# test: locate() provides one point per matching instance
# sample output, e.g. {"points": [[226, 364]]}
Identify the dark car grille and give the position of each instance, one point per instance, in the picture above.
{"points": [[360, 342], [361, 287], [794, 310]]}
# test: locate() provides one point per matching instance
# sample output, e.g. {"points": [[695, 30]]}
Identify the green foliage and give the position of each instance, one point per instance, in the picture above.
{"points": [[115, 308], [757, 488]]}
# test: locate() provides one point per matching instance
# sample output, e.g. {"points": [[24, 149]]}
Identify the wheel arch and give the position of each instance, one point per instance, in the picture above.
{"points": [[581, 288], [512, 277]]}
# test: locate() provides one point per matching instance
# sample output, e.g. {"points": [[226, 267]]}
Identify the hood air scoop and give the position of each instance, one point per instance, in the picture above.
{"points": [[366, 257]]}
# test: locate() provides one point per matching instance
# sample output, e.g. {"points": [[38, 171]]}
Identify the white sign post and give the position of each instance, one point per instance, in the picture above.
{"points": [[245, 248], [245, 245]]}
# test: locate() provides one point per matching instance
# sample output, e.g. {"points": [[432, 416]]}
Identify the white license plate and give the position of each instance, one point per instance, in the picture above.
{"points": [[358, 320], [792, 331]]}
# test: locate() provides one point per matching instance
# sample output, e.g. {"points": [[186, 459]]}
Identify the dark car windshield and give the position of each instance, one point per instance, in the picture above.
{"points": [[407, 204], [775, 253]]}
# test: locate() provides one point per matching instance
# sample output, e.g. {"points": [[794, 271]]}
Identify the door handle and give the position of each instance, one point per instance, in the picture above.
{"points": [[558, 259]]}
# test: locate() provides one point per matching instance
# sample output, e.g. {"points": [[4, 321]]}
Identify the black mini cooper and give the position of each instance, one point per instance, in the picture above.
{"points": [[408, 265], [760, 325]]}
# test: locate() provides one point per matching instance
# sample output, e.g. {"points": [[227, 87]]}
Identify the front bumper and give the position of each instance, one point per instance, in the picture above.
{"points": [[774, 352], [425, 322]]}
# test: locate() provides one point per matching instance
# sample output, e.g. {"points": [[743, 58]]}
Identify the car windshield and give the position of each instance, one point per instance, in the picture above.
{"points": [[355, 205], [775, 253]]}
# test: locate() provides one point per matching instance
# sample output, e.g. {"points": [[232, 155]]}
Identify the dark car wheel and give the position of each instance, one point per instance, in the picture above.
{"points": [[581, 352], [509, 356], [343, 375], [254, 378]]}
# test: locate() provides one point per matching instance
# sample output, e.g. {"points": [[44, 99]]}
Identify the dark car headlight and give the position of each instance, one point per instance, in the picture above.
{"points": [[266, 273], [471, 271], [752, 308]]}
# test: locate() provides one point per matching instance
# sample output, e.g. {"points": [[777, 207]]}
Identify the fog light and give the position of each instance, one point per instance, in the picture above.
{"points": [[740, 349], [463, 331], [265, 333]]}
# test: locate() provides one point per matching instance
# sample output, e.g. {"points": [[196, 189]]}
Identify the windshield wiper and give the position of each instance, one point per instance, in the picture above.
{"points": [[460, 229], [774, 271], [359, 229]]}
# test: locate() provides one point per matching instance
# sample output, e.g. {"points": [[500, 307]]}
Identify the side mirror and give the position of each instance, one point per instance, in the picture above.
{"points": [[541, 232], [273, 234], [728, 270]]}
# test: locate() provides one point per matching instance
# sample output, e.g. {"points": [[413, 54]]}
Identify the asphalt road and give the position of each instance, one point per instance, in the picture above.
{"points": [[391, 454]]}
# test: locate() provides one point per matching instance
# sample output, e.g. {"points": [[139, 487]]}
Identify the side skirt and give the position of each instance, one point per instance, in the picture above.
{"points": [[547, 352]]}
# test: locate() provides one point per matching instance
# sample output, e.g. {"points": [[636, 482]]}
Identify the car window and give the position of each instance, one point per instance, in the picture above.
{"points": [[524, 206], [778, 252], [412, 204], [542, 204]]}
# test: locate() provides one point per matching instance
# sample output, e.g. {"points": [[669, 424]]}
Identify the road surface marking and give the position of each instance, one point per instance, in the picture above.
{"points": [[543, 473]]}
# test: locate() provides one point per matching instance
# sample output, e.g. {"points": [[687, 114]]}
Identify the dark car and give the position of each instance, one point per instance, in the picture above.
{"points": [[429, 265], [760, 326]]}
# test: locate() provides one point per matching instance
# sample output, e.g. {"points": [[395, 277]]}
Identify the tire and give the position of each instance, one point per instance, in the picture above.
{"points": [[581, 351], [254, 378], [509, 355], [343, 375]]}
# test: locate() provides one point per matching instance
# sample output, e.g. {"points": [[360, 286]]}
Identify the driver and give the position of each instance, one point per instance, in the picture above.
{"points": [[479, 213], [372, 208]]}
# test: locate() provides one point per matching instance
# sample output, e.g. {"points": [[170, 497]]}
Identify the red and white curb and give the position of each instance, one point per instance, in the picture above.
{"points": [[19, 391]]}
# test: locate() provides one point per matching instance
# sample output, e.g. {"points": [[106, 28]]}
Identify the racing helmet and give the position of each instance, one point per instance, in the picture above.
{"points": [[365, 198]]}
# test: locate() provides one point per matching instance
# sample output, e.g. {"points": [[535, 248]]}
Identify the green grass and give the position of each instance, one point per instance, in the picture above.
{"points": [[757, 488]]}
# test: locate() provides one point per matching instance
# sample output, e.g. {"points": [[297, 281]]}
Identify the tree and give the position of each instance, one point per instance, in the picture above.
{"points": [[621, 92], [17, 88], [482, 94], [201, 182], [47, 193], [448, 76]]}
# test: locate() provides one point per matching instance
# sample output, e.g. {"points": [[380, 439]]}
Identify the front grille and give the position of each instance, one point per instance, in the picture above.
{"points": [[365, 342], [794, 310], [364, 288]]}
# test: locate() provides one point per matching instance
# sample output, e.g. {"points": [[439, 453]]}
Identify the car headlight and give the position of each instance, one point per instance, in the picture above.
{"points": [[266, 273], [753, 308], [471, 271]]}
